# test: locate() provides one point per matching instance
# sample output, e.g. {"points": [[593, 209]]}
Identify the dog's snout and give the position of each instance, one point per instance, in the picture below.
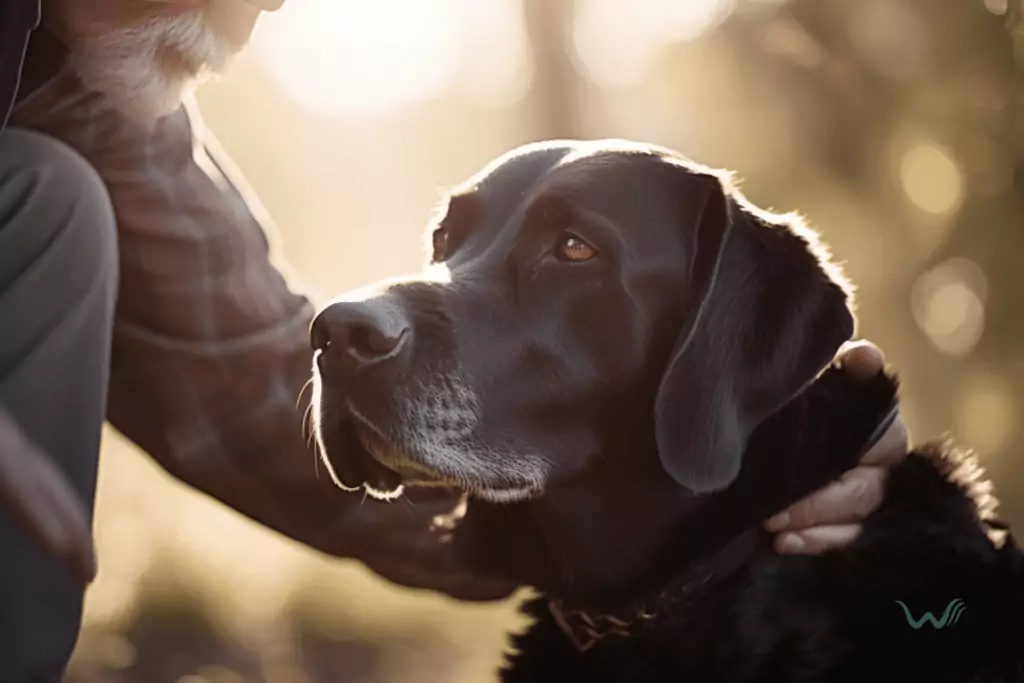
{"points": [[360, 333]]}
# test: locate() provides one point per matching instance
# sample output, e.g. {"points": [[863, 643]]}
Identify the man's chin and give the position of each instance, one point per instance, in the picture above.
{"points": [[147, 71]]}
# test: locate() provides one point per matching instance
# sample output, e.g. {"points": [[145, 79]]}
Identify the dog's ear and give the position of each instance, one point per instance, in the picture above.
{"points": [[764, 317]]}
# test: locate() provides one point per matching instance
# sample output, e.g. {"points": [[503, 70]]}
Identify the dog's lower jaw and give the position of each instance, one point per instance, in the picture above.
{"points": [[413, 474]]}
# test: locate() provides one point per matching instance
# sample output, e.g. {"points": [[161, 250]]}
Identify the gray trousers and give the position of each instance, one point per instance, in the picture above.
{"points": [[58, 285]]}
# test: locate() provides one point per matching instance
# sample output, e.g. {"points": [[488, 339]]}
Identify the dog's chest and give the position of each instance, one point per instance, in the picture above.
{"points": [[683, 643], [834, 618]]}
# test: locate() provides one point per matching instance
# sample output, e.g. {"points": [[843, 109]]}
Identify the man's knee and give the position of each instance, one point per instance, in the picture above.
{"points": [[55, 213], [58, 281]]}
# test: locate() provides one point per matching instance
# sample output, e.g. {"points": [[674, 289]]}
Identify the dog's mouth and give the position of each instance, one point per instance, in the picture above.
{"points": [[350, 463], [360, 456]]}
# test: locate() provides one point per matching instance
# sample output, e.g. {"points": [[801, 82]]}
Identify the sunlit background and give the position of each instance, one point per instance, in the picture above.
{"points": [[894, 126]]}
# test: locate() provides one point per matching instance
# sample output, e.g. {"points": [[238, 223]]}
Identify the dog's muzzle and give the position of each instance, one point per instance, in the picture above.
{"points": [[356, 343]]}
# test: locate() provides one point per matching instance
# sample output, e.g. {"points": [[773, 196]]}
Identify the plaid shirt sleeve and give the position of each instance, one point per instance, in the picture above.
{"points": [[211, 347]]}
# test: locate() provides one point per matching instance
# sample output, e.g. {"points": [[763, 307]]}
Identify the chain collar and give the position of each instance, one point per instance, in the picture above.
{"points": [[585, 629]]}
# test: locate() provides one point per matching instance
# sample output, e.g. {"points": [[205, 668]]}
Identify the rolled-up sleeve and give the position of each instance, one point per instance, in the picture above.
{"points": [[211, 348]]}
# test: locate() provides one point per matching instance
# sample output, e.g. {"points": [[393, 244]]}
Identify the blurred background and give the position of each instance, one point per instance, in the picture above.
{"points": [[894, 126]]}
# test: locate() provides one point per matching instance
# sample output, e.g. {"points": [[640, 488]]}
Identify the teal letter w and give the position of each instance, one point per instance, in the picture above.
{"points": [[954, 609]]}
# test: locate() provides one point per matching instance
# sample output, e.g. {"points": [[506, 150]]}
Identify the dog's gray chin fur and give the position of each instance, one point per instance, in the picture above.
{"points": [[510, 495], [415, 474]]}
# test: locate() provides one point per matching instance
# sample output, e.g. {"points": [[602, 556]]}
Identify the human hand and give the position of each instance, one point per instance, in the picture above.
{"points": [[41, 500], [831, 517], [409, 541]]}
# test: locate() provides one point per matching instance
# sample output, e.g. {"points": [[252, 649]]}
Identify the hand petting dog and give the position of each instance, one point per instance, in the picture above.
{"points": [[831, 518]]}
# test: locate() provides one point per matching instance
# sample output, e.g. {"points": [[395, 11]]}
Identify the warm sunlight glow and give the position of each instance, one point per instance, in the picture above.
{"points": [[359, 57], [499, 67], [891, 37], [987, 414], [948, 303], [618, 41], [363, 58]]}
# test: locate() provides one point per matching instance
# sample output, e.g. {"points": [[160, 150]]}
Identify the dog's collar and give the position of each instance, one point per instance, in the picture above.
{"points": [[585, 628]]}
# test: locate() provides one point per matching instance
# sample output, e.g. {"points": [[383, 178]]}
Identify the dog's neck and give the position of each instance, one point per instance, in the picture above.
{"points": [[615, 539]]}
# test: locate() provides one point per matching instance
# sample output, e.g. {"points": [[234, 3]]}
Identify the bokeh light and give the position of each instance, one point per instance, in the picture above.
{"points": [[996, 6], [948, 304], [987, 414], [788, 38], [890, 36], [932, 179], [497, 68], [364, 58], [618, 41]]}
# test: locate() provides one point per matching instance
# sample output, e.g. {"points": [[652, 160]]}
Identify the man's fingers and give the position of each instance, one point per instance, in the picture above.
{"points": [[862, 359], [851, 499], [817, 540], [829, 518], [891, 448]]}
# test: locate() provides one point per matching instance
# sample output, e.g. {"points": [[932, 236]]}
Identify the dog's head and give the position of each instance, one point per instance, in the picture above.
{"points": [[589, 306]]}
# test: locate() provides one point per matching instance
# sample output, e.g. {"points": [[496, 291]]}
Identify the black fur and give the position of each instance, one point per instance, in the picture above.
{"points": [[624, 424], [833, 617]]}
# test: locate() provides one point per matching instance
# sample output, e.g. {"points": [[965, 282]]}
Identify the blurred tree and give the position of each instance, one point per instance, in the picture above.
{"points": [[555, 85]]}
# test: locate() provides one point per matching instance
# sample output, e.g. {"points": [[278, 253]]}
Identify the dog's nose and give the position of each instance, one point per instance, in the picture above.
{"points": [[359, 333]]}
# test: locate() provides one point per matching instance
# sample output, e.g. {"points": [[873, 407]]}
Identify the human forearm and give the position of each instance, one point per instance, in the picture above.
{"points": [[211, 346]]}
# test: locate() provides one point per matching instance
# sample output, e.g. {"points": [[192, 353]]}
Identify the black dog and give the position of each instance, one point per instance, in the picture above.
{"points": [[621, 361]]}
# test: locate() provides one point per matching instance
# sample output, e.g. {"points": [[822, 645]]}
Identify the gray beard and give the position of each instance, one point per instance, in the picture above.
{"points": [[147, 69]]}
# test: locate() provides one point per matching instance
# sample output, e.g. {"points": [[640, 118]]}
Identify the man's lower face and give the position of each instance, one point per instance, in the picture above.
{"points": [[147, 68]]}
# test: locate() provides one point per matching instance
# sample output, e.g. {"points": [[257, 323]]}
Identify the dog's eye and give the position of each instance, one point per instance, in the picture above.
{"points": [[573, 248]]}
